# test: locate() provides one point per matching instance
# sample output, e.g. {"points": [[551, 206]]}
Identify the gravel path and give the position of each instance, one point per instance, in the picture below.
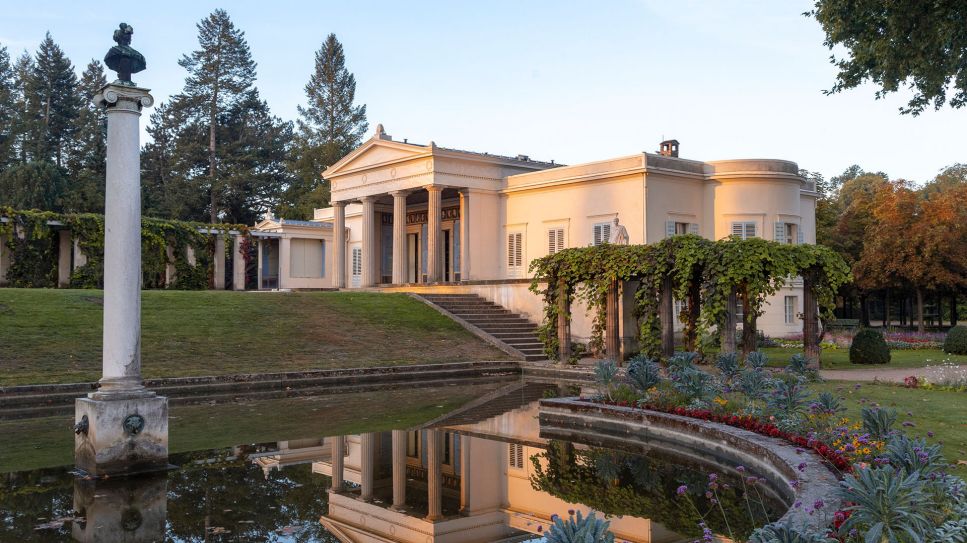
{"points": [[932, 373]]}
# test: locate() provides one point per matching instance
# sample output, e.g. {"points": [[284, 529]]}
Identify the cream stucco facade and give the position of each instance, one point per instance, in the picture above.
{"points": [[423, 217]]}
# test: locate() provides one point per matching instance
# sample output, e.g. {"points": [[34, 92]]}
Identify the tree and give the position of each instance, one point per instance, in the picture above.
{"points": [[37, 184], [220, 73], [904, 42], [53, 102], [21, 124], [86, 162], [8, 108], [329, 127]]}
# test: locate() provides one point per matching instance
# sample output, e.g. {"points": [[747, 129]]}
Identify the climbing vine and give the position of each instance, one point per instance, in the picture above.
{"points": [[700, 272], [165, 244]]}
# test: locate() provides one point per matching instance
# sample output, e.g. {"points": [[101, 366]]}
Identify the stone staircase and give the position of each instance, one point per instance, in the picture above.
{"points": [[500, 324]]}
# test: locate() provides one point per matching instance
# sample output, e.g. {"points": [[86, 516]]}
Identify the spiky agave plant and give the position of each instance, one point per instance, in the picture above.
{"points": [[696, 385], [605, 372], [754, 384], [728, 365], [789, 398], [682, 361], [913, 455], [878, 421], [580, 529], [888, 506], [756, 360], [798, 364]]}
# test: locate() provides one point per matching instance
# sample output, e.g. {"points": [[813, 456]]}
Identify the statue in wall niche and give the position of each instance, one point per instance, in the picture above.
{"points": [[122, 58], [619, 234]]}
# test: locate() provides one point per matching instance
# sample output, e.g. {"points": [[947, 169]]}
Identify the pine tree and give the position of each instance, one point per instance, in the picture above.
{"points": [[219, 74], [23, 123], [86, 163], [330, 126], [8, 108], [53, 101]]}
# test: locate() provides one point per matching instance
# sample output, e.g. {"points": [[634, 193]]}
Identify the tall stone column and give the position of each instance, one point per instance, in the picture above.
{"points": [[399, 469], [338, 471], [80, 259], [367, 444], [399, 236], [433, 220], [466, 492], [122, 428], [170, 270], [238, 264], [285, 247], [434, 474], [339, 244], [258, 263], [465, 274], [369, 241], [63, 258], [219, 279]]}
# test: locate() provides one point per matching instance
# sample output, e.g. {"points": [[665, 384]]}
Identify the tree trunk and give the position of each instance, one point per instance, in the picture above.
{"points": [[810, 321], [694, 312], [727, 332], [667, 318], [211, 166], [749, 337], [920, 327], [886, 309], [953, 310], [864, 311], [563, 323]]}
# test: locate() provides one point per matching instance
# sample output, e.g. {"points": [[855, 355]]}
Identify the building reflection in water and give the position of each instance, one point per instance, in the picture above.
{"points": [[121, 510]]}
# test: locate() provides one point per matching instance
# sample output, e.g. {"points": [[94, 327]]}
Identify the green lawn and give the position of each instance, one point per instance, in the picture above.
{"points": [[943, 413], [839, 359], [54, 336]]}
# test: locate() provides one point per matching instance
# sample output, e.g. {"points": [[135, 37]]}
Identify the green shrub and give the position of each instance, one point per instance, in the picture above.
{"points": [[956, 342], [869, 347]]}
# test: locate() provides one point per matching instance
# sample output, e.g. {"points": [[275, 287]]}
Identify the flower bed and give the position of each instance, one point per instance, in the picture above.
{"points": [[842, 339]]}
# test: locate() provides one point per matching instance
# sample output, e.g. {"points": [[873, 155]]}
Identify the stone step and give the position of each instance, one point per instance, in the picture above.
{"points": [[472, 312], [510, 336]]}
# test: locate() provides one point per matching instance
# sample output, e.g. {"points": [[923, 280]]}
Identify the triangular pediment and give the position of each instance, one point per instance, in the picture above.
{"points": [[375, 152]]}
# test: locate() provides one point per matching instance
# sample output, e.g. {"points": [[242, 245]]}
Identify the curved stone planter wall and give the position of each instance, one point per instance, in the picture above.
{"points": [[703, 441]]}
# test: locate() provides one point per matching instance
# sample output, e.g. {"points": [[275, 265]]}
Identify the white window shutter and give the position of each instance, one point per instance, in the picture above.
{"points": [[511, 249], [519, 254], [738, 229], [750, 230], [693, 228], [551, 241], [780, 234], [669, 229], [799, 236], [560, 240]]}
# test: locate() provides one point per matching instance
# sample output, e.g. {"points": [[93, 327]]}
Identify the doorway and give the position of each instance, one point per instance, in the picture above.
{"points": [[413, 257]]}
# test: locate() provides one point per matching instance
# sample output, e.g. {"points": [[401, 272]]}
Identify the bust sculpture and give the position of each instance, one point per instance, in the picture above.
{"points": [[619, 234], [122, 58]]}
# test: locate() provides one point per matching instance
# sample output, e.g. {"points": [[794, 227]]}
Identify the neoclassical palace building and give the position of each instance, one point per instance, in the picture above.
{"points": [[434, 219]]}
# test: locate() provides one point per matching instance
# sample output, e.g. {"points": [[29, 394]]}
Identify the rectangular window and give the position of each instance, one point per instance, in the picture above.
{"points": [[744, 230], [515, 250], [790, 233], [790, 309], [357, 261], [516, 456], [675, 228], [555, 240], [677, 307], [601, 233]]}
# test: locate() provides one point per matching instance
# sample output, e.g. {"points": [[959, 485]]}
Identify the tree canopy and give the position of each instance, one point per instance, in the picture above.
{"points": [[913, 43]]}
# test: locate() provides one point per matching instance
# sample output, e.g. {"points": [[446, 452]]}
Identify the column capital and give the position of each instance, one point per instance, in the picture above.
{"points": [[367, 199], [400, 193], [433, 188], [123, 98], [341, 204]]}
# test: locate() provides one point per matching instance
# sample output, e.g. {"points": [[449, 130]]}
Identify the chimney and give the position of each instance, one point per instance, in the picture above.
{"points": [[669, 148]]}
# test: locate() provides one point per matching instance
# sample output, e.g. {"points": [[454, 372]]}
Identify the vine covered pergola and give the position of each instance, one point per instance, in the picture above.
{"points": [[710, 278]]}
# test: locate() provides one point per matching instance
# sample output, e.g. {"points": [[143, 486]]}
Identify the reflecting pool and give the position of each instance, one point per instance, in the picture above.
{"points": [[463, 463]]}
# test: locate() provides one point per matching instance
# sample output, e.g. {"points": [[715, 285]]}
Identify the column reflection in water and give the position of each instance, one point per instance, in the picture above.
{"points": [[128, 510]]}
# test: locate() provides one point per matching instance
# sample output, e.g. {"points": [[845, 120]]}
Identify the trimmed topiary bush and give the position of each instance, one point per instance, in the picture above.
{"points": [[956, 342], [869, 347]]}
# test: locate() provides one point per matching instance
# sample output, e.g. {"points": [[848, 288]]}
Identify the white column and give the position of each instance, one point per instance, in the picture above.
{"points": [[367, 447], [465, 491], [338, 454], [339, 244], [63, 258], [190, 255], [369, 241], [238, 264], [434, 474], [219, 279], [285, 245], [465, 235], [399, 236], [122, 240], [170, 270], [80, 259], [433, 219], [258, 265], [399, 469]]}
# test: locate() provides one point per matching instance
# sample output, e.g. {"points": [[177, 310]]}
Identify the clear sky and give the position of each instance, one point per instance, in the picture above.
{"points": [[562, 80]]}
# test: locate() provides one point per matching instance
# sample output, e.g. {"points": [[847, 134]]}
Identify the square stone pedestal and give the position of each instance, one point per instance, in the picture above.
{"points": [[124, 434], [126, 509]]}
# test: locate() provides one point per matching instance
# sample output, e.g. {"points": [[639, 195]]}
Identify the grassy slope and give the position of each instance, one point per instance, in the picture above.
{"points": [[839, 359], [940, 412], [54, 336], [49, 442]]}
